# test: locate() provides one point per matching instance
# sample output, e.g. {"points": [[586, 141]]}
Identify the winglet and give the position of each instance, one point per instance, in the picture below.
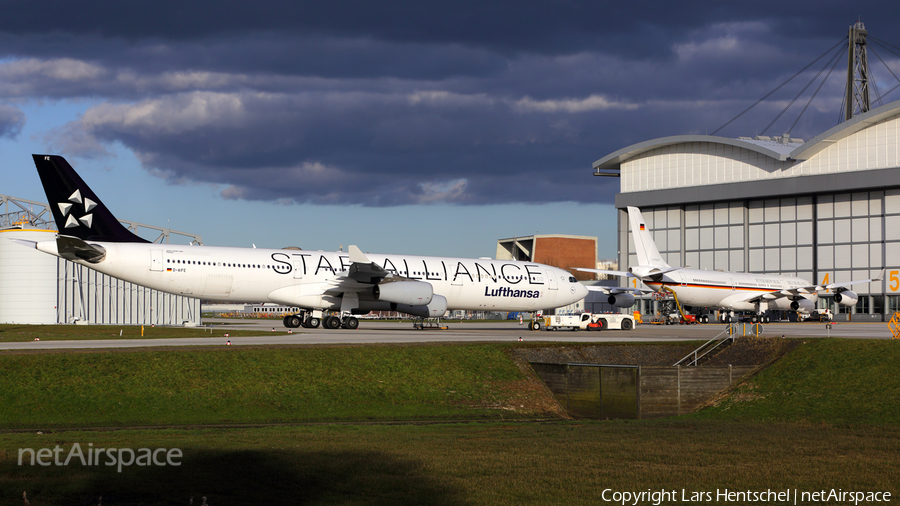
{"points": [[357, 256], [364, 270]]}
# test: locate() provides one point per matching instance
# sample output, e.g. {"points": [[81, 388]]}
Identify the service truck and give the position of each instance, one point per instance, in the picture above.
{"points": [[589, 321]]}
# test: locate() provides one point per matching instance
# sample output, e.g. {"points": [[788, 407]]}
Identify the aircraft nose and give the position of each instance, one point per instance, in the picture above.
{"points": [[581, 291]]}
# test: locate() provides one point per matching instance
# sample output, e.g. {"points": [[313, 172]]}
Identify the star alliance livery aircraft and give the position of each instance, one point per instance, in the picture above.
{"points": [[353, 283], [731, 291]]}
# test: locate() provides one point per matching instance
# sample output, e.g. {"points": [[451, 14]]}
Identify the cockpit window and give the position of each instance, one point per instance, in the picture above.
{"points": [[572, 279]]}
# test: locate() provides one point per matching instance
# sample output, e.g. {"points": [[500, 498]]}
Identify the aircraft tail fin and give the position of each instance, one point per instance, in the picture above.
{"points": [[647, 253], [77, 210]]}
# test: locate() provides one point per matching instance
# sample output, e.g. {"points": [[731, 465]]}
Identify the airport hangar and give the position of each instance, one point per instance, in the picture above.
{"points": [[826, 210], [37, 288]]}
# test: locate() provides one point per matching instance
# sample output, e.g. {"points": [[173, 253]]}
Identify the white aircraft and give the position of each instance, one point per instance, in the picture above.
{"points": [[731, 291], [353, 283]]}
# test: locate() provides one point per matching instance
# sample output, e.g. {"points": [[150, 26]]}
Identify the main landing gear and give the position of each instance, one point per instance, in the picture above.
{"points": [[309, 320]]}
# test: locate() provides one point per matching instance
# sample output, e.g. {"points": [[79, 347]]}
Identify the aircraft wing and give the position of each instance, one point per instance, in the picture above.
{"points": [[360, 275], [364, 270], [612, 290], [644, 272], [805, 290], [611, 273], [832, 286]]}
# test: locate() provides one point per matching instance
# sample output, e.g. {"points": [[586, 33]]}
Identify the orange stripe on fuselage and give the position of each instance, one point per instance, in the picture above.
{"points": [[718, 287]]}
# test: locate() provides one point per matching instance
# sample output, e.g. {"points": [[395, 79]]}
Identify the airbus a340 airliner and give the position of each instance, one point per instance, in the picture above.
{"points": [[732, 291], [348, 283]]}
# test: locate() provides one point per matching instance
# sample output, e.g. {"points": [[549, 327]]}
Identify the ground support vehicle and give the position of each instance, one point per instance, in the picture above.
{"points": [[590, 321], [819, 315]]}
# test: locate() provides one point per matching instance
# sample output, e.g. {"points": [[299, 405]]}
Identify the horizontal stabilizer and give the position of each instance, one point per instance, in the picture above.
{"points": [[23, 242], [73, 248]]}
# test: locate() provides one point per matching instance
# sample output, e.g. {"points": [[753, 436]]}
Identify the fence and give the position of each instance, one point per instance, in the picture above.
{"points": [[634, 392]]}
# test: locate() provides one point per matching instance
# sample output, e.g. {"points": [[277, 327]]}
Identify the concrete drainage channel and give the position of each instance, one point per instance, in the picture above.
{"points": [[635, 392], [619, 381]]}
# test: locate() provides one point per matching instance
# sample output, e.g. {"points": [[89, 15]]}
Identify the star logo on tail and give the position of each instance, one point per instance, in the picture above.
{"points": [[67, 207]]}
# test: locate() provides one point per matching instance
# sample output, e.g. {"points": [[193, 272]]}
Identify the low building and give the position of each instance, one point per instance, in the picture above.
{"points": [[563, 251]]}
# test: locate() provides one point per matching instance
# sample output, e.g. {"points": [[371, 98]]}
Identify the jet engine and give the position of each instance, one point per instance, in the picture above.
{"points": [[435, 309], [846, 298], [804, 305], [621, 300], [412, 293]]}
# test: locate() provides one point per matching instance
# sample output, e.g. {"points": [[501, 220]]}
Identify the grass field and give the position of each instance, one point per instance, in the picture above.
{"points": [[841, 381], [492, 464], [263, 385], [823, 417], [19, 333]]}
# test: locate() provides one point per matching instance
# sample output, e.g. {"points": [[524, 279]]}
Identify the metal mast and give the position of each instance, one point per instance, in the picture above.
{"points": [[857, 72]]}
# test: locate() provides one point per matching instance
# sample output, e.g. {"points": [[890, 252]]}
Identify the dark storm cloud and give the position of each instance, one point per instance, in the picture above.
{"points": [[375, 149], [550, 27], [395, 103]]}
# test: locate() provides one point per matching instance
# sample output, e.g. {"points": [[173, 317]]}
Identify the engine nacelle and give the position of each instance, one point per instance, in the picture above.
{"points": [[621, 300], [435, 309], [411, 293], [846, 298], [804, 305]]}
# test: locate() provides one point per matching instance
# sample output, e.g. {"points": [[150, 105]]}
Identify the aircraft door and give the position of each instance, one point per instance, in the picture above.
{"points": [[298, 268], [459, 273], [683, 279], [731, 282], [551, 281], [156, 260]]}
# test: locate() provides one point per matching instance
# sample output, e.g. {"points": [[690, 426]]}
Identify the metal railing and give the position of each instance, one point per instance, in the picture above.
{"points": [[693, 357]]}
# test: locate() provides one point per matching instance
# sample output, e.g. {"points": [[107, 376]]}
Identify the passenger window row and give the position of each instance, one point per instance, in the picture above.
{"points": [[218, 264]]}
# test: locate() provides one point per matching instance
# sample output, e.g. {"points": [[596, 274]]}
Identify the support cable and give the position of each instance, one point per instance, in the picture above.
{"points": [[886, 45], [836, 60], [788, 106], [843, 106], [767, 95], [889, 70]]}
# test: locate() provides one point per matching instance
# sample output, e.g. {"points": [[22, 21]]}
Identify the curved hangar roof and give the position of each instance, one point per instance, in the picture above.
{"points": [[772, 147], [869, 142]]}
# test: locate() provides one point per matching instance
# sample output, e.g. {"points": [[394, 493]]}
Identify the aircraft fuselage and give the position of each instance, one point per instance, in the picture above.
{"points": [[722, 289], [304, 278]]}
